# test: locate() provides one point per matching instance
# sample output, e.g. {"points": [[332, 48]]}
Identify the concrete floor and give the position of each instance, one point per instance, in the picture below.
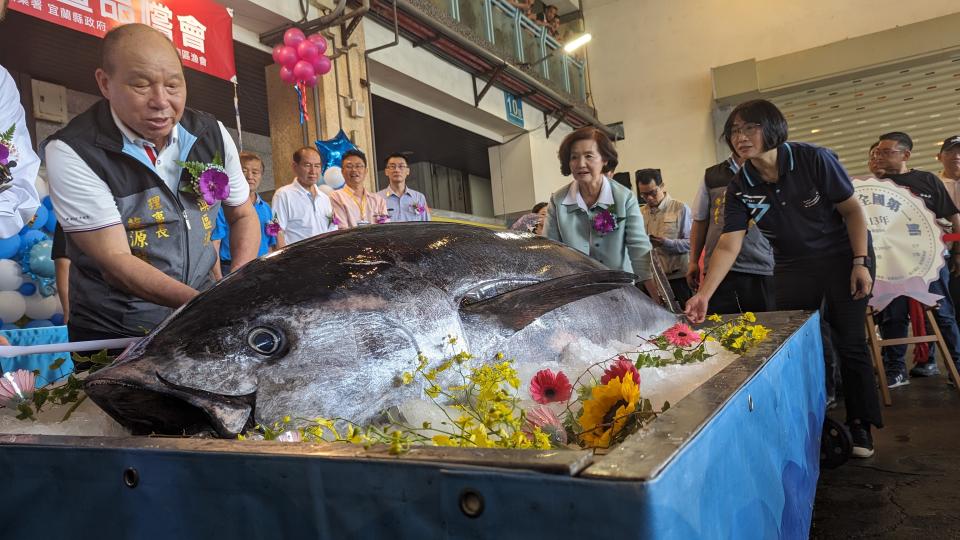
{"points": [[911, 487]]}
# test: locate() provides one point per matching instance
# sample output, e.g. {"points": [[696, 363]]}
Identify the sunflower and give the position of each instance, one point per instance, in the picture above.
{"points": [[607, 411]]}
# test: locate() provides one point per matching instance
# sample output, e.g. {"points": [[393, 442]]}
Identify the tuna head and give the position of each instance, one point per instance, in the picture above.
{"points": [[326, 326]]}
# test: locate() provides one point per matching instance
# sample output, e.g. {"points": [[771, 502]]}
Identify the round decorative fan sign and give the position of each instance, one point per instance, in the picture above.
{"points": [[907, 241]]}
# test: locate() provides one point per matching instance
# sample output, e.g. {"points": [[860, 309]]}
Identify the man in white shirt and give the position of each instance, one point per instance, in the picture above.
{"points": [[403, 203], [302, 209], [18, 197], [138, 237]]}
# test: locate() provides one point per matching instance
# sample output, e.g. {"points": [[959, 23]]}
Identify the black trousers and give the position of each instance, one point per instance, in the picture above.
{"points": [[826, 281], [681, 291], [740, 292]]}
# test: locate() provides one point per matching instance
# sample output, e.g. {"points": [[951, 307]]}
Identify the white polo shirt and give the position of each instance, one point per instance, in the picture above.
{"points": [[302, 214], [19, 201], [83, 201]]}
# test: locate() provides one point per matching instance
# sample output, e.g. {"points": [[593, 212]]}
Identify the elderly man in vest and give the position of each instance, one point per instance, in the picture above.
{"points": [[138, 225], [668, 226]]}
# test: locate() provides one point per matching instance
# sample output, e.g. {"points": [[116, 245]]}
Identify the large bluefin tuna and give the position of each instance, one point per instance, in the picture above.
{"points": [[326, 326]]}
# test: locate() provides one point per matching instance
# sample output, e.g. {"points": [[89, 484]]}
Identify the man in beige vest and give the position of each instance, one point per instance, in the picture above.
{"points": [[668, 224]]}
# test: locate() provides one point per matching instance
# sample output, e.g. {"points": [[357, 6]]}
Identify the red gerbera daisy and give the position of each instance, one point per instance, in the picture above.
{"points": [[619, 370], [547, 386], [681, 335]]}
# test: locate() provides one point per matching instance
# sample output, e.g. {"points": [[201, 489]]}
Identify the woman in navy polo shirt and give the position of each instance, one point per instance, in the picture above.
{"points": [[801, 199]]}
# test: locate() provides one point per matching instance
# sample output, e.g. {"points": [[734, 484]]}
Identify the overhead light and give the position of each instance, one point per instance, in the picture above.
{"points": [[577, 42], [815, 130]]}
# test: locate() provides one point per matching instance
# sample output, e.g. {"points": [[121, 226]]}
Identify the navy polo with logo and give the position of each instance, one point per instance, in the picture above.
{"points": [[796, 213]]}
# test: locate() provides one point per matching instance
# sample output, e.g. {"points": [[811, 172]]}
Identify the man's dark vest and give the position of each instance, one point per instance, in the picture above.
{"points": [[170, 231], [756, 255]]}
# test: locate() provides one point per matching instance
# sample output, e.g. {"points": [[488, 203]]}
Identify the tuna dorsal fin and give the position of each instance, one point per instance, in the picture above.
{"points": [[518, 308]]}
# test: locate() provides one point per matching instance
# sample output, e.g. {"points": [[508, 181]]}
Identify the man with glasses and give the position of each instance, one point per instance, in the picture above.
{"points": [[668, 224], [353, 205], [403, 203], [892, 153], [302, 209]]}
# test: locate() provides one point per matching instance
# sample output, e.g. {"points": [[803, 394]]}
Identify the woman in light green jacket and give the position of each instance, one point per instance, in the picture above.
{"points": [[594, 215]]}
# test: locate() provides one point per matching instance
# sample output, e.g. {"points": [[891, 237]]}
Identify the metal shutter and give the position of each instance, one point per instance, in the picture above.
{"points": [[849, 116]]}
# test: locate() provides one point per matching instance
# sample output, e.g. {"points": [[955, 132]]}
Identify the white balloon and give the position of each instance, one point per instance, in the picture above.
{"points": [[12, 306], [333, 177], [41, 307], [325, 188], [41, 186], [11, 276]]}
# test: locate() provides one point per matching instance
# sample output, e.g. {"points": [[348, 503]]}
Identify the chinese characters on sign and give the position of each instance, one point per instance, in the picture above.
{"points": [[201, 30]]}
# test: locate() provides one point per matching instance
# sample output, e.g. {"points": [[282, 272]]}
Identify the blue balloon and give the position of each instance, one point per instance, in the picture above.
{"points": [[40, 323], [40, 218], [41, 263], [47, 202], [30, 238], [57, 319], [9, 247], [51, 223], [27, 289], [332, 150], [9, 327]]}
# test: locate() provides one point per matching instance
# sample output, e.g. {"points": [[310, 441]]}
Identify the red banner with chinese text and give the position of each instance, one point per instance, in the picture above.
{"points": [[201, 30]]}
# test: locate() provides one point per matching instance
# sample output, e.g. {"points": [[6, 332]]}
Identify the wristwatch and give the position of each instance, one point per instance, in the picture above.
{"points": [[862, 260]]}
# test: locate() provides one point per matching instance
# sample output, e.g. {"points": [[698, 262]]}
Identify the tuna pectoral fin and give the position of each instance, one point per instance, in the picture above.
{"points": [[518, 308]]}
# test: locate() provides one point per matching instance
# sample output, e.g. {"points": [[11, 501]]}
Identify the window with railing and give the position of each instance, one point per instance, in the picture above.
{"points": [[511, 32]]}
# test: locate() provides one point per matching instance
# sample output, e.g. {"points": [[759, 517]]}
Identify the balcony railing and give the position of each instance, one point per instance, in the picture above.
{"points": [[512, 33]]}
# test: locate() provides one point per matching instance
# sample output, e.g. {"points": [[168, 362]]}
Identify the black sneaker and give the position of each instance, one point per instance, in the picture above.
{"points": [[929, 369], [862, 440], [897, 379]]}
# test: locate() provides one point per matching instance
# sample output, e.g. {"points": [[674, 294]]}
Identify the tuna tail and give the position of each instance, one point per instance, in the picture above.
{"points": [[518, 308]]}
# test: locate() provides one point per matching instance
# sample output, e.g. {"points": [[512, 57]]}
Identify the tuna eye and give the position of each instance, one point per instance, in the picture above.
{"points": [[265, 341]]}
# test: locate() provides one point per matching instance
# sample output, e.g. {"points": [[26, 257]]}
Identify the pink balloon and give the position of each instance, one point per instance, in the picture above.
{"points": [[319, 41], [287, 76], [303, 70], [286, 56], [276, 52], [293, 36], [306, 50], [321, 65], [310, 81]]}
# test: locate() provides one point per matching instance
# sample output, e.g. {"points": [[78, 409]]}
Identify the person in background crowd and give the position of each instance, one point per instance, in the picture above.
{"points": [[61, 265], [949, 158], [303, 210], [354, 205], [668, 224], [525, 7], [138, 244], [893, 153], [403, 203], [18, 162], [748, 286], [549, 18], [595, 215], [532, 222], [252, 167], [873, 164], [801, 199]]}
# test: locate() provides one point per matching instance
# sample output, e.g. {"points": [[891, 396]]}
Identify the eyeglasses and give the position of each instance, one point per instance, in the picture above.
{"points": [[749, 129], [354, 167], [395, 167], [649, 194], [886, 152]]}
